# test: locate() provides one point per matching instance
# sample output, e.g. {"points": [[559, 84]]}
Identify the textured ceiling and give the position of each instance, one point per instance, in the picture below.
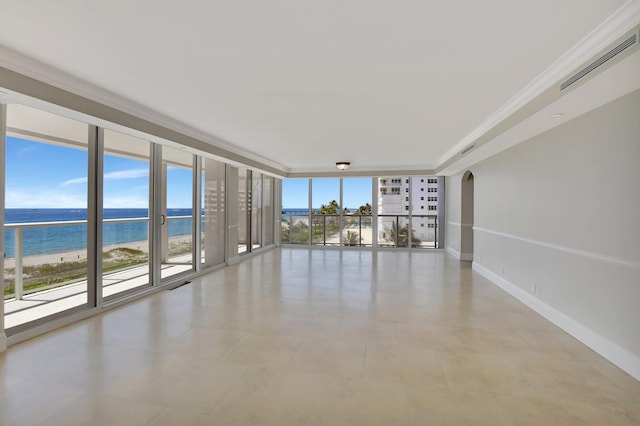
{"points": [[385, 85]]}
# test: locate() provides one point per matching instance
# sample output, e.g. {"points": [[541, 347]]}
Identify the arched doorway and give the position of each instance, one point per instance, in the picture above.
{"points": [[466, 221]]}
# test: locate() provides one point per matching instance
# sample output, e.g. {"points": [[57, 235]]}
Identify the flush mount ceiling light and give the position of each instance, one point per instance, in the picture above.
{"points": [[343, 165], [557, 115]]}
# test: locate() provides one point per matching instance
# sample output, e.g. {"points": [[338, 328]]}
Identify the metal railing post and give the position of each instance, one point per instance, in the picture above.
{"points": [[18, 286], [435, 235], [324, 230]]}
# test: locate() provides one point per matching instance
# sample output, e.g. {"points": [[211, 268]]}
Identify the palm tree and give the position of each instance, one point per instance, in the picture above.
{"points": [[400, 235], [364, 210], [351, 239]]}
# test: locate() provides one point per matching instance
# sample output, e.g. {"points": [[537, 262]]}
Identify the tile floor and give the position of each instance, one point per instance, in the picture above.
{"points": [[299, 337]]}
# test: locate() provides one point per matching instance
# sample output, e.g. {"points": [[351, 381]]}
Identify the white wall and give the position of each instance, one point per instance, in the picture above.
{"points": [[453, 202], [557, 223]]}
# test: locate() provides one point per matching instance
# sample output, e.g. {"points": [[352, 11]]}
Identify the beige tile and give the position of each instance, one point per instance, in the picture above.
{"points": [[604, 414], [571, 381], [368, 330], [172, 417], [404, 364], [490, 341], [203, 343], [100, 409], [263, 351], [340, 358], [273, 396], [299, 337], [429, 336], [560, 344], [185, 388], [455, 408], [494, 373], [364, 401], [17, 402], [121, 372]]}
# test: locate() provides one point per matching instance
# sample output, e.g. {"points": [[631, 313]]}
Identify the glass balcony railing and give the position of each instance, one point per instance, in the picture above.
{"points": [[357, 230], [325, 229], [46, 263], [294, 229], [393, 231]]}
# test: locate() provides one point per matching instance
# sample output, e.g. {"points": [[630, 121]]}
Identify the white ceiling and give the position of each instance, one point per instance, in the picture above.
{"points": [[385, 85]]}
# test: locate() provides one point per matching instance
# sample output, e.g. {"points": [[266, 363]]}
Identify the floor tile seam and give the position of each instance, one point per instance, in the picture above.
{"points": [[293, 355], [228, 390], [155, 418], [59, 410], [219, 357]]}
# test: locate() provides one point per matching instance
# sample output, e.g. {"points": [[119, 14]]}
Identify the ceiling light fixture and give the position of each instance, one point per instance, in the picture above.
{"points": [[343, 165], [557, 115]]}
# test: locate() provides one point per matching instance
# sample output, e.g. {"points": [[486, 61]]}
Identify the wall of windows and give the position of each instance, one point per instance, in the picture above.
{"points": [[256, 213], [393, 211], [46, 209], [93, 215]]}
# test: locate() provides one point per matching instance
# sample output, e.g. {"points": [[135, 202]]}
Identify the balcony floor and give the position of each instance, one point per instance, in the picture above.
{"points": [[49, 302], [317, 337]]}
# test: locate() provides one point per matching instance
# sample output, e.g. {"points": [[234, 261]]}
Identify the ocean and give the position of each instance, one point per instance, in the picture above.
{"points": [[56, 239]]}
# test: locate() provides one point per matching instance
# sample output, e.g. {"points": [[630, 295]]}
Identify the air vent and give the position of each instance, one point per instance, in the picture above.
{"points": [[631, 41], [467, 149]]}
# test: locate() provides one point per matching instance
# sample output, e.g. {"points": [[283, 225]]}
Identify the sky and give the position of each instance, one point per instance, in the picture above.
{"points": [[41, 175], [356, 192]]}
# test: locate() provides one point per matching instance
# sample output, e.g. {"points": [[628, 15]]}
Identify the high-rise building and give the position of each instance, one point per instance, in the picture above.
{"points": [[412, 202]]}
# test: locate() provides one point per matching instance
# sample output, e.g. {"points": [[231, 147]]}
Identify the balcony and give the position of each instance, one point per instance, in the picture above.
{"points": [[40, 285], [357, 230]]}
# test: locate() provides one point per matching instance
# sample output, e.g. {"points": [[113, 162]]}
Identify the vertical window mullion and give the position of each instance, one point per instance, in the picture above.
{"points": [[309, 240], [197, 213], [3, 148], [155, 212], [95, 216]]}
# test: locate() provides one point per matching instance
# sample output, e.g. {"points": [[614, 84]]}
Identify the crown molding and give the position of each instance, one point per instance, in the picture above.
{"points": [[29, 67], [615, 26]]}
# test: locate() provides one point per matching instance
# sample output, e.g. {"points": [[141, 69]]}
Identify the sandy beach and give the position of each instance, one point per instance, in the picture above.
{"points": [[76, 255]]}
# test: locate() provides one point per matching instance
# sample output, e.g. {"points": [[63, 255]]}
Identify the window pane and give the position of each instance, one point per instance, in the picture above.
{"points": [[268, 210], [357, 224], [177, 231], [244, 203], [256, 210], [325, 225], [214, 212], [393, 211], [295, 211], [46, 183], [125, 253]]}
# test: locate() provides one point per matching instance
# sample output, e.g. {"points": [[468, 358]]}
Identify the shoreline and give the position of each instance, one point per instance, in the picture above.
{"points": [[80, 255]]}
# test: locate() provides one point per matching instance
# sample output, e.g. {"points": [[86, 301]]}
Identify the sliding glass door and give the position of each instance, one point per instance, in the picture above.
{"points": [[46, 252], [177, 212], [125, 229]]}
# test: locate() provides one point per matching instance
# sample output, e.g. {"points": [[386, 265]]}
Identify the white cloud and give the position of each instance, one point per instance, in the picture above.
{"points": [[74, 181], [44, 199], [118, 175], [126, 174]]}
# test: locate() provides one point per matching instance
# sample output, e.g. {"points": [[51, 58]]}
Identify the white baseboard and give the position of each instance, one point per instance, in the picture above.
{"points": [[619, 356], [453, 252], [460, 256], [466, 256]]}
